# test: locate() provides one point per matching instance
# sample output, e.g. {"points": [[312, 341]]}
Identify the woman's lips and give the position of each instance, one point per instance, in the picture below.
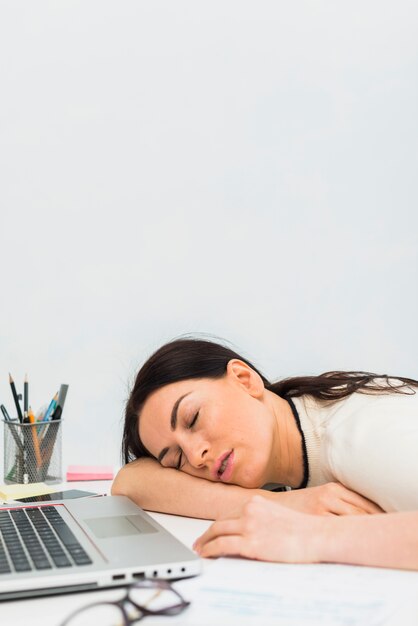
{"points": [[223, 466]]}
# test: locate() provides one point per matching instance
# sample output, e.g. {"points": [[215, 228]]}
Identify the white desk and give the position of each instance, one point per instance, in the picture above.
{"points": [[52, 610]]}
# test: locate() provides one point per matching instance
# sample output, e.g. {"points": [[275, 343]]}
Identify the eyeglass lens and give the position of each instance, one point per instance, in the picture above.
{"points": [[153, 597]]}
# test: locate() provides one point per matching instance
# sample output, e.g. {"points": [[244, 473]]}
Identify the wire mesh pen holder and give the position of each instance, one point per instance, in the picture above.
{"points": [[33, 452]]}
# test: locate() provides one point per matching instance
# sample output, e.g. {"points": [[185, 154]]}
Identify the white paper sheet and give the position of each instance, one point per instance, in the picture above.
{"points": [[241, 592]]}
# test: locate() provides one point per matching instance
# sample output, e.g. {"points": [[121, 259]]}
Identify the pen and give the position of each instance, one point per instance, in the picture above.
{"points": [[57, 413], [16, 399], [26, 394], [48, 441], [6, 416], [12, 428]]}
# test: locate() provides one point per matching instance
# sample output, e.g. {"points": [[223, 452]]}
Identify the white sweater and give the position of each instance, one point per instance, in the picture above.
{"points": [[369, 443]]}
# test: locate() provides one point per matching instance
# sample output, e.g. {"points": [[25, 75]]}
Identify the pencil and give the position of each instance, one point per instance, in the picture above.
{"points": [[35, 438], [16, 399], [25, 394], [51, 408]]}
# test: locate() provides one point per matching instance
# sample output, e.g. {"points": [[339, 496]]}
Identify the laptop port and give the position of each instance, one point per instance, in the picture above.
{"points": [[138, 575], [118, 577]]}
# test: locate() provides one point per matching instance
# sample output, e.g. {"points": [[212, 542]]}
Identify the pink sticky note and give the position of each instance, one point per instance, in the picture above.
{"points": [[89, 472]]}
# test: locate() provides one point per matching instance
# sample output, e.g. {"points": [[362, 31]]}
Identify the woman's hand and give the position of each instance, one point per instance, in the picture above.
{"points": [[328, 499], [265, 531], [268, 531]]}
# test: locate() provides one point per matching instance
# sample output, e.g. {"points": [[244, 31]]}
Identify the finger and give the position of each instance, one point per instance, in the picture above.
{"points": [[229, 545], [346, 508], [370, 507], [360, 502], [222, 527]]}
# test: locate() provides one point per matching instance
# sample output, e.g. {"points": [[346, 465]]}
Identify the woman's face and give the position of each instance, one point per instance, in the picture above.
{"points": [[218, 429]]}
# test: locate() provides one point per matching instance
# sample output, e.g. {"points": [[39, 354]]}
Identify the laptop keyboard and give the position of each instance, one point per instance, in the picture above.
{"points": [[37, 538]]}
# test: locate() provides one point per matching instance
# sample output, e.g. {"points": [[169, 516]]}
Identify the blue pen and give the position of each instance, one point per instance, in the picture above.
{"points": [[51, 408]]}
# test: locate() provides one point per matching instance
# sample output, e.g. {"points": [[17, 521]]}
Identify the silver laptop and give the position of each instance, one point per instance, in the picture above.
{"points": [[85, 544]]}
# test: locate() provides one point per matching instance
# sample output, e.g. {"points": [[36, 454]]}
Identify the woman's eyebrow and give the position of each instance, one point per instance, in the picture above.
{"points": [[173, 424], [173, 421]]}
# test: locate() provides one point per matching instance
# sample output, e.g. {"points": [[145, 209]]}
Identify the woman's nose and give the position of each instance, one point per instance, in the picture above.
{"points": [[197, 453]]}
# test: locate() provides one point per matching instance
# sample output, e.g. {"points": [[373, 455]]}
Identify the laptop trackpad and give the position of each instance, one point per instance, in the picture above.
{"points": [[119, 526]]}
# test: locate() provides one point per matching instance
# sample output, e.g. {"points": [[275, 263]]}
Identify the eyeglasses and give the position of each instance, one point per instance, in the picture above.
{"points": [[148, 597]]}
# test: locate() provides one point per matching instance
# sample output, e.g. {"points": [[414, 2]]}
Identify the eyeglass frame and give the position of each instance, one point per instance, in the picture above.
{"points": [[156, 583]]}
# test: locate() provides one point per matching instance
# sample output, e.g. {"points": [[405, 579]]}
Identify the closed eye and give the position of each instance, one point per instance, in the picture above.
{"points": [[194, 420], [178, 465], [180, 457]]}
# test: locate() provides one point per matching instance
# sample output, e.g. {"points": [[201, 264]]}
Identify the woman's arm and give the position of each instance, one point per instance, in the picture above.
{"points": [[389, 540], [167, 490], [269, 532]]}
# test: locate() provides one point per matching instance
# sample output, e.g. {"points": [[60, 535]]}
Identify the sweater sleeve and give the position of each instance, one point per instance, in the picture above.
{"points": [[373, 449]]}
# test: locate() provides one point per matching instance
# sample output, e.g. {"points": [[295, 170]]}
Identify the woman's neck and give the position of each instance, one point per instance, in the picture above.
{"points": [[287, 456]]}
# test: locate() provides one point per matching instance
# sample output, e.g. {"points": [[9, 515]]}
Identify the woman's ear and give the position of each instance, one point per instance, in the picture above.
{"points": [[239, 372]]}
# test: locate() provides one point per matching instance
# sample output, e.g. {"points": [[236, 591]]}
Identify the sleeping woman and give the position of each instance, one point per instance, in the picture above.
{"points": [[205, 431]]}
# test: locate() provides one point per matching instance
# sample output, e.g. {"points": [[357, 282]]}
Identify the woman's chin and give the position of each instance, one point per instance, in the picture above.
{"points": [[249, 482]]}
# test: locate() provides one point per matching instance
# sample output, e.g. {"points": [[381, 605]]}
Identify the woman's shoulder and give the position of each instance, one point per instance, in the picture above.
{"points": [[394, 396]]}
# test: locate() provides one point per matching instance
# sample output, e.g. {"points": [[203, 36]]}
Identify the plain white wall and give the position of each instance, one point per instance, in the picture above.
{"points": [[244, 169]]}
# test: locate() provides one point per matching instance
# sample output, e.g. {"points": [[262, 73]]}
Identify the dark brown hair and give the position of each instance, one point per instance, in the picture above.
{"points": [[189, 358]]}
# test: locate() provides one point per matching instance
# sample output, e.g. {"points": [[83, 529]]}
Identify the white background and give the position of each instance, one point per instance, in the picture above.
{"points": [[243, 169]]}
